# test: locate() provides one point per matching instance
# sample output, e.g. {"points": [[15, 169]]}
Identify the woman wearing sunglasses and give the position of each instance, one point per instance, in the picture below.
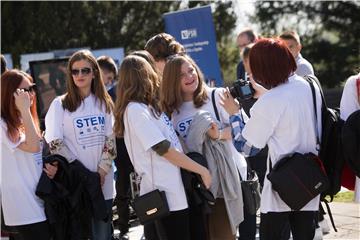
{"points": [[79, 126], [21, 159]]}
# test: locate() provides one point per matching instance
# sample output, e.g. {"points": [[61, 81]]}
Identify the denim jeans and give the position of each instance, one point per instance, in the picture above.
{"points": [[102, 230]]}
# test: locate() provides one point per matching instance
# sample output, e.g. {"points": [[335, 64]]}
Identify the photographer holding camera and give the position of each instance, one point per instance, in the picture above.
{"points": [[282, 118]]}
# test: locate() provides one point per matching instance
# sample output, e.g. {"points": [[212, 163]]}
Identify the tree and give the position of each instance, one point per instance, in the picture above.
{"points": [[45, 26], [329, 30]]}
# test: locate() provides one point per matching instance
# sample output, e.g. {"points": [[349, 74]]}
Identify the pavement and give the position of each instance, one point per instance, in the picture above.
{"points": [[347, 221], [346, 217]]}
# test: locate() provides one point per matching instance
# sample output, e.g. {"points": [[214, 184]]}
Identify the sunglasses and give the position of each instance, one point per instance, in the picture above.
{"points": [[83, 71], [32, 88]]}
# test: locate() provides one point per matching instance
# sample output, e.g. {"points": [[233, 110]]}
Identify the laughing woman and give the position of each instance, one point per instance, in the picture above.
{"points": [[79, 126]]}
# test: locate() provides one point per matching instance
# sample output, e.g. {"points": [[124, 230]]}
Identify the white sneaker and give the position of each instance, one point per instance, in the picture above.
{"points": [[318, 234], [324, 226]]}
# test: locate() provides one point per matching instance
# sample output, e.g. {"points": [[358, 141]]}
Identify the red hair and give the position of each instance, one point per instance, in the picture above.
{"points": [[10, 114], [271, 62]]}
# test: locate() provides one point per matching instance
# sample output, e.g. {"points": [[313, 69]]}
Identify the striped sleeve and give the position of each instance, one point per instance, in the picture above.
{"points": [[241, 144]]}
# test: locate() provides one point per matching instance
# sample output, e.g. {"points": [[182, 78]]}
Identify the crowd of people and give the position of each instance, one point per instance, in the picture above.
{"points": [[145, 116]]}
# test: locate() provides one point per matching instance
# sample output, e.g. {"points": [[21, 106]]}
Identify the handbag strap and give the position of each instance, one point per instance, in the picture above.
{"points": [[214, 105], [132, 154], [358, 87], [311, 83]]}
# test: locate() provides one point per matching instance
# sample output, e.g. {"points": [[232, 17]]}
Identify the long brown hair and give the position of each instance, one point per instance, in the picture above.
{"points": [[163, 45], [10, 81], [138, 82], [170, 90], [72, 99]]}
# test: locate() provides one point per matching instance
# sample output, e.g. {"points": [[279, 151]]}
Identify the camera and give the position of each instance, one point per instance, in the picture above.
{"points": [[241, 90]]}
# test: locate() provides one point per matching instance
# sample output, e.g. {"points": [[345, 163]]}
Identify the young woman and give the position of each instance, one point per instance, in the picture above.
{"points": [[153, 146], [183, 94], [21, 158], [79, 126], [282, 118]]}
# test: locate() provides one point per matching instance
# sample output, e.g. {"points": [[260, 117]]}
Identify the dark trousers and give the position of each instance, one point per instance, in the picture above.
{"points": [[247, 228], [122, 185], [273, 225], [35, 231], [173, 227]]}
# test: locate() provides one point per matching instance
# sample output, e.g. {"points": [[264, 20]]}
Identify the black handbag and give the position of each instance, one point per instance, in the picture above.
{"points": [[251, 192], [151, 206], [298, 179]]}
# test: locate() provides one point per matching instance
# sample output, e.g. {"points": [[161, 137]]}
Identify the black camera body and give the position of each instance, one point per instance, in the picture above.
{"points": [[242, 90]]}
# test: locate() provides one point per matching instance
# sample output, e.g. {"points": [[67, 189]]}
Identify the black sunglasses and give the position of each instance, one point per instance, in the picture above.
{"points": [[83, 71], [32, 88]]}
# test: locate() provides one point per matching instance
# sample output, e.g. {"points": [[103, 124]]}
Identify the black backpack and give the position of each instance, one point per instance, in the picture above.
{"points": [[351, 142], [331, 149]]}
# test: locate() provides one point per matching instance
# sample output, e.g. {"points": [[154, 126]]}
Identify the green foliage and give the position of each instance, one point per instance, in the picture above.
{"points": [[44, 26], [329, 31]]}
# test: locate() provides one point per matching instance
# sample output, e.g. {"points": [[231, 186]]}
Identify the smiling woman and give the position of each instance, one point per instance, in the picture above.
{"points": [[183, 96]]}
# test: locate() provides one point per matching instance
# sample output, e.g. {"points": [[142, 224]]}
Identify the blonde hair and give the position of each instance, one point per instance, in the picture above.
{"points": [[138, 82], [72, 99], [170, 90]]}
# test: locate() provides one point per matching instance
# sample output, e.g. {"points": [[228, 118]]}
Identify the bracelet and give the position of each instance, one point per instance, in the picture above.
{"points": [[220, 135]]}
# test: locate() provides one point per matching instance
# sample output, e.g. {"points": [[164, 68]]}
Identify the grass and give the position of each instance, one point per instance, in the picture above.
{"points": [[344, 197]]}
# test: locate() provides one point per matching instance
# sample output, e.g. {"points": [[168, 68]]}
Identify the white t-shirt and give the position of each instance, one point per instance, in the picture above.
{"points": [[187, 111], [156, 172], [20, 174], [83, 132], [304, 67], [349, 100], [283, 118]]}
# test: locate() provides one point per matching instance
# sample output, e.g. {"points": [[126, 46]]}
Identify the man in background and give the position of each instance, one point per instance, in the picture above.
{"points": [[244, 38], [292, 40]]}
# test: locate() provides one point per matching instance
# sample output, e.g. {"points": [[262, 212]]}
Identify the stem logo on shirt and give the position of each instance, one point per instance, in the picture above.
{"points": [[90, 130], [183, 126], [173, 137]]}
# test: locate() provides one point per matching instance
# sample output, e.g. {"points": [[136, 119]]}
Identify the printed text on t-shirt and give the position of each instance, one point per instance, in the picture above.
{"points": [[90, 130]]}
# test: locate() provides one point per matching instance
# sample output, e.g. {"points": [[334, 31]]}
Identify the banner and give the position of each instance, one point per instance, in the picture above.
{"points": [[194, 29], [117, 54]]}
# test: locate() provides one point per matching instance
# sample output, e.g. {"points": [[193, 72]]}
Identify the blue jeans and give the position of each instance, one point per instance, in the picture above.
{"points": [[102, 230]]}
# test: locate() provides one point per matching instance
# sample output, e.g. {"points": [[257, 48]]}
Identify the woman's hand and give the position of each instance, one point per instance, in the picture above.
{"points": [[51, 169], [259, 89], [231, 106], [213, 131], [206, 178], [22, 100]]}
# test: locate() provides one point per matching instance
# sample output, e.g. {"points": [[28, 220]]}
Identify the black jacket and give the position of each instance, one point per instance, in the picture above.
{"points": [[71, 199], [199, 199]]}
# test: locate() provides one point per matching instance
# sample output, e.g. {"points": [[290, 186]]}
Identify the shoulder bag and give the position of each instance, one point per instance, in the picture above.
{"points": [[153, 205]]}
